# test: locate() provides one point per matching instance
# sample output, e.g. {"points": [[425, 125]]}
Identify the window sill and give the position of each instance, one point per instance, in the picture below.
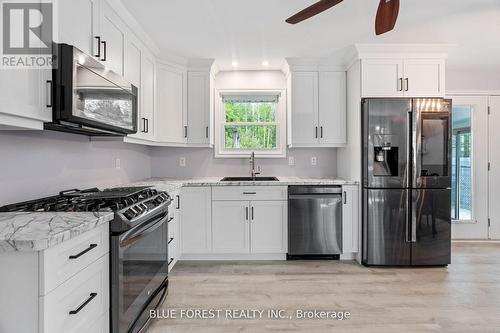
{"points": [[463, 222]]}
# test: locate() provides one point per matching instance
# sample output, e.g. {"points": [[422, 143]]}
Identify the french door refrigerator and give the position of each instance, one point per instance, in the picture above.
{"points": [[406, 181]]}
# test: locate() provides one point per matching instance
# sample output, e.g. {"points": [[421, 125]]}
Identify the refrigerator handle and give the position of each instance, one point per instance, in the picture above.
{"points": [[408, 220], [409, 151], [413, 220]]}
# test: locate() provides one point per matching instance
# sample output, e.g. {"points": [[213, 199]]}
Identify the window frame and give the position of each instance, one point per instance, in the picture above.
{"points": [[220, 123]]}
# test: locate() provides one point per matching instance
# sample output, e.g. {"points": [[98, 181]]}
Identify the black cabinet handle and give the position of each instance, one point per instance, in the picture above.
{"points": [[49, 93], [252, 213], [316, 132], [249, 193], [206, 132], [104, 50], [170, 240], [246, 213], [407, 84], [170, 220], [91, 297], [178, 202], [400, 86], [147, 124], [98, 55], [76, 256], [185, 131], [170, 261], [345, 198], [321, 130]]}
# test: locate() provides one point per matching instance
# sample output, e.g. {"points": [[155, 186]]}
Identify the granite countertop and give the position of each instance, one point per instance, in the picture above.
{"points": [[36, 231], [173, 184]]}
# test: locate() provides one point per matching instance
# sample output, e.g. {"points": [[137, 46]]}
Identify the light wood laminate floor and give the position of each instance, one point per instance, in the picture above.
{"points": [[464, 297]]}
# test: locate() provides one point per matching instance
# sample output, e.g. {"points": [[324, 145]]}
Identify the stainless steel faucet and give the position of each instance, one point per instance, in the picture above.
{"points": [[252, 163]]}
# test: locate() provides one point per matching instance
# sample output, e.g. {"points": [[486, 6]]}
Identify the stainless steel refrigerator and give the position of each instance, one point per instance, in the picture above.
{"points": [[406, 181]]}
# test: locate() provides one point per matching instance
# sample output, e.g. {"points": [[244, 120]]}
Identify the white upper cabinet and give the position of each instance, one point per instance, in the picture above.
{"points": [[408, 77], [317, 109], [382, 78], [112, 39], [424, 78], [132, 62], [79, 24], [332, 108], [146, 125], [198, 108], [171, 112]]}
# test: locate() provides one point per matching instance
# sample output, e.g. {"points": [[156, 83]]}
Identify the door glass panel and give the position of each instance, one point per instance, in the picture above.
{"points": [[434, 152], [461, 164]]}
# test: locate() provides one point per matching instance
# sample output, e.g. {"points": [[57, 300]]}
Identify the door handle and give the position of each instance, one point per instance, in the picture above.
{"points": [[49, 91], [78, 255], [170, 261], [98, 55], [407, 84], [178, 202], [316, 132], [400, 85], [407, 219], [206, 132], [249, 193], [147, 125], [321, 131], [246, 213], [252, 214], [170, 240], [104, 50], [185, 131], [84, 304], [345, 198]]}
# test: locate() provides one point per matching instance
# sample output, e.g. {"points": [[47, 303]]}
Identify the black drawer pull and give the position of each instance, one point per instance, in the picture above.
{"points": [[170, 220], [91, 297], [249, 193], [170, 240], [170, 261], [76, 256]]}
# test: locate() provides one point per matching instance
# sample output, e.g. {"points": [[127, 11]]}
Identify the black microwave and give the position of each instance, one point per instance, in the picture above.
{"points": [[88, 98]]}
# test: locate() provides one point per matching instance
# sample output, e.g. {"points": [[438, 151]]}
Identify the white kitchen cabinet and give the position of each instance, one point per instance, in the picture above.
{"points": [[196, 220], [332, 108], [303, 108], [198, 108], [317, 109], [230, 226], [79, 24], [146, 125], [268, 226], [402, 77], [171, 118], [174, 251], [350, 219], [132, 62], [112, 39]]}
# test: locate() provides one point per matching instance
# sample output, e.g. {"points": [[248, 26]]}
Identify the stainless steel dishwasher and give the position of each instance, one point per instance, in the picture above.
{"points": [[314, 222]]}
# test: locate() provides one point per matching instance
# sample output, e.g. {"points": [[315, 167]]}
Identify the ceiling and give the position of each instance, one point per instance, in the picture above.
{"points": [[251, 31]]}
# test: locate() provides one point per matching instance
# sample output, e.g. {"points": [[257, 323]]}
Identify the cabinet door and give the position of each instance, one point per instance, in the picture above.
{"points": [[424, 78], [268, 226], [170, 118], [132, 62], [196, 220], [304, 108], [78, 22], [350, 219], [198, 108], [332, 108], [112, 39], [147, 112], [230, 226], [382, 78]]}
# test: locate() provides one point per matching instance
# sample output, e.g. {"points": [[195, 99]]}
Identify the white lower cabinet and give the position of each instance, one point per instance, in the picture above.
{"points": [[174, 230], [350, 219], [196, 216], [230, 222], [268, 226]]}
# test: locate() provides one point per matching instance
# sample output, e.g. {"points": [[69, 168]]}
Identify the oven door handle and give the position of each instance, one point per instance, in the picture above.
{"points": [[137, 233]]}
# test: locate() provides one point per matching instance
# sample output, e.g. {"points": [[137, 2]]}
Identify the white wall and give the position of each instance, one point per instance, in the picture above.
{"points": [[472, 80], [250, 80], [36, 164], [201, 162]]}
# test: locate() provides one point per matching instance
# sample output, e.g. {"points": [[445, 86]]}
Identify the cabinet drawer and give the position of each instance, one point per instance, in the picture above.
{"points": [[61, 262], [250, 193], [78, 303]]}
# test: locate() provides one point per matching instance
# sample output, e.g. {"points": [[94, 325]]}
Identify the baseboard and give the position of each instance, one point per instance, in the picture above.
{"points": [[231, 257]]}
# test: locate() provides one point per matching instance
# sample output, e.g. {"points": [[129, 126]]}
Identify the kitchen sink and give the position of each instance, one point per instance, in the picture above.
{"points": [[249, 179]]}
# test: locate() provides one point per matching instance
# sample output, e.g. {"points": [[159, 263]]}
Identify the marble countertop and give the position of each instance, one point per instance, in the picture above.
{"points": [[36, 231], [173, 184]]}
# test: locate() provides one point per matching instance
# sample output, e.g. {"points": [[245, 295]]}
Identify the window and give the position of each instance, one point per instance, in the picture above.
{"points": [[461, 164], [250, 122]]}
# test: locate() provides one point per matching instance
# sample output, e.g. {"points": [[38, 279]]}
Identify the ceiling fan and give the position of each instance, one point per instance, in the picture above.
{"points": [[387, 13]]}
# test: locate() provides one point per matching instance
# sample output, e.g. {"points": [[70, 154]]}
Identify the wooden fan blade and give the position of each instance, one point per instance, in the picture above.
{"points": [[387, 14], [312, 10]]}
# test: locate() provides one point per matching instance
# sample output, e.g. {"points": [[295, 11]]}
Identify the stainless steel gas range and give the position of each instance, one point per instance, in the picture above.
{"points": [[138, 250]]}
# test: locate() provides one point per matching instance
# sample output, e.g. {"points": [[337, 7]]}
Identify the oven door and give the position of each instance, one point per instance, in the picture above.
{"points": [[139, 273]]}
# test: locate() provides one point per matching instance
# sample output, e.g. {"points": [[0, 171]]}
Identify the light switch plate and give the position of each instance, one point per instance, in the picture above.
{"points": [[291, 160], [118, 163], [182, 161], [314, 161]]}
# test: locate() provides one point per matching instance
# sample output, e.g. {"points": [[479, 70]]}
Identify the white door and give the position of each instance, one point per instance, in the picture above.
{"points": [[230, 226], [146, 123], [112, 39], [170, 117], [198, 108], [196, 220], [350, 219], [332, 108], [268, 226], [469, 167], [304, 108], [423, 77], [494, 174], [382, 78], [78, 24]]}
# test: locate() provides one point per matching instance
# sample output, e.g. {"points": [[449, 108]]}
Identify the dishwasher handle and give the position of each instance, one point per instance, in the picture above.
{"points": [[315, 190], [315, 196]]}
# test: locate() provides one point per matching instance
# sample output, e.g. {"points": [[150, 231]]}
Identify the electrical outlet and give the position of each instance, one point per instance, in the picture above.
{"points": [[314, 161], [291, 160], [182, 161], [118, 163]]}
